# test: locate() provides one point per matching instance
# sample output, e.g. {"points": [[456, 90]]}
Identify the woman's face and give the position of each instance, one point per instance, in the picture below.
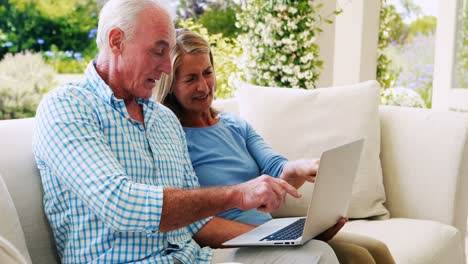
{"points": [[195, 83]]}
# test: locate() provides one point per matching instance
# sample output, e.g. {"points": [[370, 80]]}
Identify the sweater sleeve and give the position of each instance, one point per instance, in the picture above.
{"points": [[270, 162]]}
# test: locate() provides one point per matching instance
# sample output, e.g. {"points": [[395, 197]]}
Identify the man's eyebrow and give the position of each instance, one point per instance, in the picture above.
{"points": [[162, 43]]}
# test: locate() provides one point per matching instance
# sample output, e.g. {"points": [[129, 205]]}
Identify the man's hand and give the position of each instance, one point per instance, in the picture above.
{"points": [[183, 207], [264, 193], [298, 171], [332, 231]]}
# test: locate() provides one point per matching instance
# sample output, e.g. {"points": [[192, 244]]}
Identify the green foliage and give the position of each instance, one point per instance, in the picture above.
{"points": [[24, 78], [3, 39], [386, 74], [66, 61], [461, 45], [41, 25], [220, 20], [50, 8], [279, 41], [425, 93], [391, 28], [191, 8], [424, 25], [225, 52]]}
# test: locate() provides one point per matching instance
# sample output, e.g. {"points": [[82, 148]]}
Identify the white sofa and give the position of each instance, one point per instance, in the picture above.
{"points": [[424, 158]]}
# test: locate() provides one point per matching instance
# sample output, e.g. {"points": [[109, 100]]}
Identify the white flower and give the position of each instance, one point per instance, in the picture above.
{"points": [[292, 25], [287, 70], [400, 96], [385, 34], [280, 7], [286, 41], [289, 56], [305, 34], [309, 85]]}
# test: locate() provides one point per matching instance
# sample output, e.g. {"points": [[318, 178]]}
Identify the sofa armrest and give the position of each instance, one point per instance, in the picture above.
{"points": [[19, 171], [425, 164]]}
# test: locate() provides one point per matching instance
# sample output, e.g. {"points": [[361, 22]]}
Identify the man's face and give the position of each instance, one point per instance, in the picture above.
{"points": [[145, 56]]}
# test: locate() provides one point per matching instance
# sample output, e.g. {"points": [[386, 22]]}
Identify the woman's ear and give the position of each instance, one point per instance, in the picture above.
{"points": [[116, 40]]}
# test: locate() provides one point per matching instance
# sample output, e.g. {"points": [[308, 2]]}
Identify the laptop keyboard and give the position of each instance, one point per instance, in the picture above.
{"points": [[292, 231]]}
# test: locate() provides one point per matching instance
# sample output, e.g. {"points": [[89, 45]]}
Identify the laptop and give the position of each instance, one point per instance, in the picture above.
{"points": [[330, 201]]}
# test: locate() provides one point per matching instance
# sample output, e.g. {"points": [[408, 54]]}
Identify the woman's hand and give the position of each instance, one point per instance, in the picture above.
{"points": [[332, 231], [298, 171]]}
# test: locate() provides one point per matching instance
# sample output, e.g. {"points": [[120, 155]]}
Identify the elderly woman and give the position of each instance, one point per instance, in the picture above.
{"points": [[228, 145]]}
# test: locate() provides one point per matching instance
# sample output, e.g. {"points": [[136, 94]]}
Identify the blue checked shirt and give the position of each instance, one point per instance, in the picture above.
{"points": [[103, 176]]}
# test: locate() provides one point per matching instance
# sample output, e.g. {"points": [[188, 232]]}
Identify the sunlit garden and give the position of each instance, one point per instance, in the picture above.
{"points": [[270, 43]]}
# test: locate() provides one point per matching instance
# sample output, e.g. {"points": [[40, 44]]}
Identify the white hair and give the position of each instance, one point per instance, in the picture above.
{"points": [[123, 14]]}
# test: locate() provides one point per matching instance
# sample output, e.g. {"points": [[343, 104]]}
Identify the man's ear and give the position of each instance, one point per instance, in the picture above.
{"points": [[116, 40]]}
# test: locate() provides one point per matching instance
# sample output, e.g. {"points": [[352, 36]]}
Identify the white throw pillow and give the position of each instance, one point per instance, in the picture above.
{"points": [[10, 227], [301, 123]]}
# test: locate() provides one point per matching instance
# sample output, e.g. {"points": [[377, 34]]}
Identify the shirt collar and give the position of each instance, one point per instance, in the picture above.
{"points": [[103, 91], [97, 84]]}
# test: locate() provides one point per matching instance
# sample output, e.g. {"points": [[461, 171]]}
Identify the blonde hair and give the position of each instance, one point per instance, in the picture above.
{"points": [[187, 42]]}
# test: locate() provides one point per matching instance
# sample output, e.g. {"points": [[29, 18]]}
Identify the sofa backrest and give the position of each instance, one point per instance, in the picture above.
{"points": [[18, 170], [230, 105], [424, 155]]}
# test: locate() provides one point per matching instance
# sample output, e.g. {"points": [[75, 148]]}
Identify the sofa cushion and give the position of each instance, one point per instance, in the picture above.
{"points": [[226, 105], [10, 226], [304, 123], [414, 241], [9, 254]]}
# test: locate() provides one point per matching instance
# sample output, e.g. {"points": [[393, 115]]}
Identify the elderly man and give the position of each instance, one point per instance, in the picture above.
{"points": [[118, 183]]}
